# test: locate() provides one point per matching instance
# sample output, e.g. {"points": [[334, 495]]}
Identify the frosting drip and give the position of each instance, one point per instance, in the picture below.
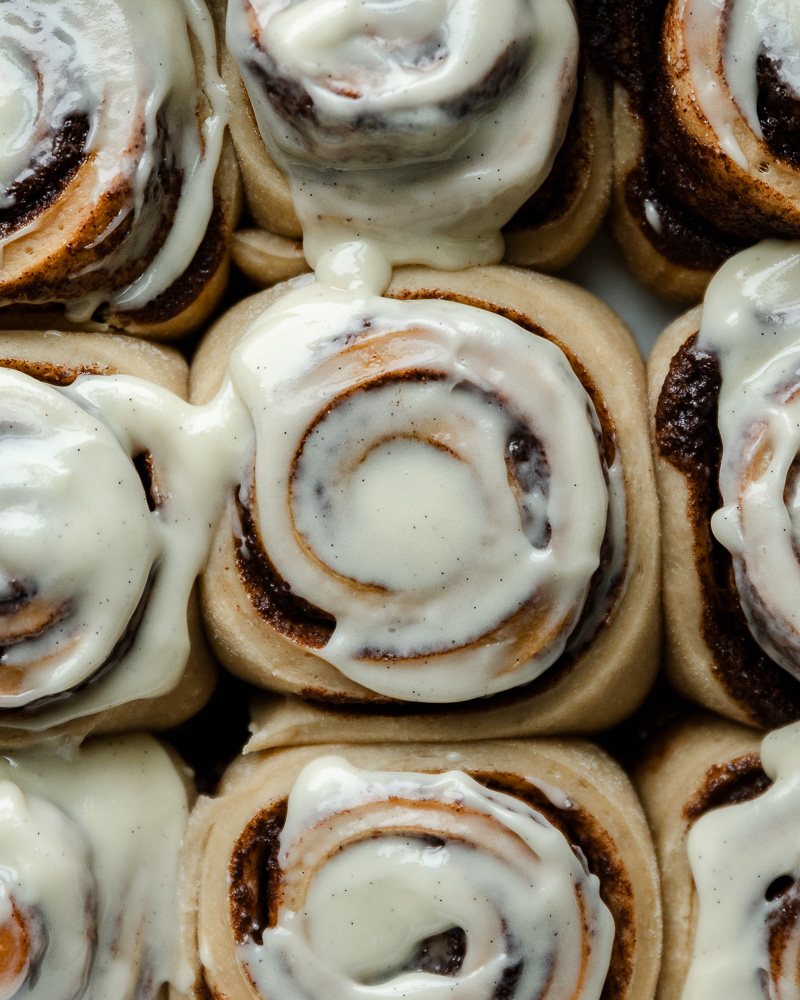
{"points": [[751, 321], [152, 144], [745, 861], [80, 870], [376, 421], [460, 105], [425, 885]]}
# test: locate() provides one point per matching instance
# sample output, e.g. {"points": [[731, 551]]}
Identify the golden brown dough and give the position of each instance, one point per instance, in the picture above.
{"points": [[696, 766]]}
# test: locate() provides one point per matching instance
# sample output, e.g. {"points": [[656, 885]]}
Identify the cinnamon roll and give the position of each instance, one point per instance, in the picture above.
{"points": [[118, 195], [99, 625], [418, 526], [420, 127], [724, 813], [707, 146], [494, 869], [724, 385], [89, 849]]}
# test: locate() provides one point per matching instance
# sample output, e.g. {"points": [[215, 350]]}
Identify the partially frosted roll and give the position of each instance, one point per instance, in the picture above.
{"points": [[88, 873], [99, 554], [438, 506], [420, 127], [724, 812], [706, 140], [117, 198], [352, 873], [724, 389]]}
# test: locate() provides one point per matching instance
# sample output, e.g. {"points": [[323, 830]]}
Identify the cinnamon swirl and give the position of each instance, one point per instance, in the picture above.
{"points": [[707, 146], [417, 526], [99, 626], [495, 869], [419, 127], [724, 386], [117, 198], [88, 873], [724, 813]]}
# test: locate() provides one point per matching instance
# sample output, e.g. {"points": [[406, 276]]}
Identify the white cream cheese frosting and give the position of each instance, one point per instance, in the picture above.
{"points": [[740, 854], [420, 125], [153, 110], [376, 866], [88, 865], [751, 323]]}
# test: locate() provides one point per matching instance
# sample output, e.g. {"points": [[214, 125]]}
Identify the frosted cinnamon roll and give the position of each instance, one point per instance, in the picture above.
{"points": [[724, 813], [724, 387], [707, 146], [492, 870], [116, 197], [417, 526], [88, 873], [419, 127], [100, 549]]}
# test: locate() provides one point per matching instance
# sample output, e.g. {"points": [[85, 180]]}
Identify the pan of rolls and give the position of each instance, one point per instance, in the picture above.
{"points": [[343, 542]]}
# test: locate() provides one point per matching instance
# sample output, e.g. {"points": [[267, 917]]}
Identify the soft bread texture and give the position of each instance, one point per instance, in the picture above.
{"points": [[53, 355], [593, 784], [606, 680]]}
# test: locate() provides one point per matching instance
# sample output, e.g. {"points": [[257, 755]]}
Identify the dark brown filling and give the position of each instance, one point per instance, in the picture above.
{"points": [[778, 112], [701, 225], [209, 257], [47, 177], [270, 594], [312, 626], [292, 102], [687, 436], [725, 784], [565, 183], [254, 875]]}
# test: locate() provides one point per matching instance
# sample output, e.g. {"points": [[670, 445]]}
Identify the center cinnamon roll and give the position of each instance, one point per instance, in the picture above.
{"points": [[444, 520], [437, 510]]}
